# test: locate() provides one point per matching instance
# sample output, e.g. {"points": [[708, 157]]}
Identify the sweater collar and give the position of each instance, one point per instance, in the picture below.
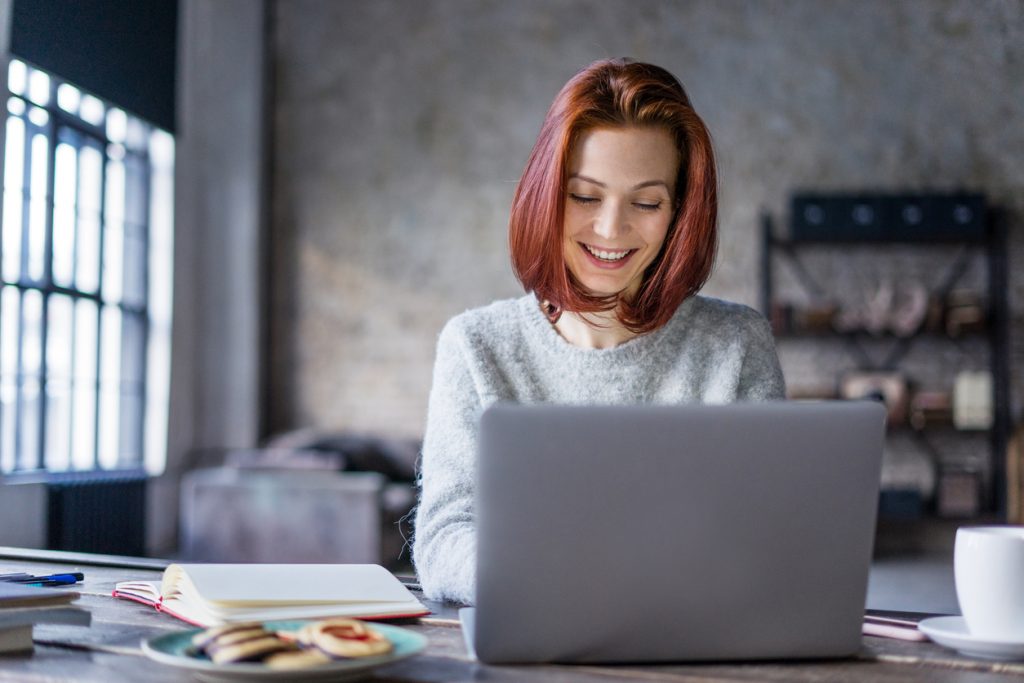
{"points": [[540, 327]]}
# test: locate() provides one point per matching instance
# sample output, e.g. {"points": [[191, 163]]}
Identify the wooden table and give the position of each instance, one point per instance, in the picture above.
{"points": [[108, 651]]}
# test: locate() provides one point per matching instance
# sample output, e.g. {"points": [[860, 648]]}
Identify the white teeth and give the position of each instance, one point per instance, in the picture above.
{"points": [[606, 255]]}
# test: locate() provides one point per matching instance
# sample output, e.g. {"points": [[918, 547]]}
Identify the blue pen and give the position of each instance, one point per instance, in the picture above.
{"points": [[48, 580], [49, 584], [60, 581]]}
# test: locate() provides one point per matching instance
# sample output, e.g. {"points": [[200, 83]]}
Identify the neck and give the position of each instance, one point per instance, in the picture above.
{"points": [[592, 330]]}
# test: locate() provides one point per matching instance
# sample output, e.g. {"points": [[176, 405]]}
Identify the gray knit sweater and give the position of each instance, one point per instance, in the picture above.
{"points": [[711, 351]]}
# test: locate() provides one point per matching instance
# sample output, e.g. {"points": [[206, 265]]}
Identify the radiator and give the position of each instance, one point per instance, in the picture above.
{"points": [[98, 514]]}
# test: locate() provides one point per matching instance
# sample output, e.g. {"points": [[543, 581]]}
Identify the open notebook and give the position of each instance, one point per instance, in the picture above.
{"points": [[211, 594]]}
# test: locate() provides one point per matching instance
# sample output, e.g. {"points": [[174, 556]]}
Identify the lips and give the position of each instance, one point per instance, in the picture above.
{"points": [[606, 255], [607, 258]]}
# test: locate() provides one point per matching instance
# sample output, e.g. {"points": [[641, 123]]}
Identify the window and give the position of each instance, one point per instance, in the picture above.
{"points": [[85, 282]]}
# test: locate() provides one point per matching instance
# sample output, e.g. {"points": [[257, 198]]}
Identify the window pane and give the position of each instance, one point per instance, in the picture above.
{"points": [[90, 174], [38, 117], [110, 386], [113, 237], [10, 313], [8, 418], [59, 337], [65, 181], [58, 426], [16, 106], [32, 333], [161, 249], [38, 87], [132, 369], [59, 342], [28, 452], [110, 427], [161, 151], [84, 406], [158, 378], [113, 264], [17, 76], [135, 272], [88, 238], [133, 351], [91, 110], [135, 229], [37, 207], [14, 198], [131, 430], [132, 377], [31, 361], [117, 125], [10, 326], [136, 178], [68, 98], [138, 134], [110, 345]]}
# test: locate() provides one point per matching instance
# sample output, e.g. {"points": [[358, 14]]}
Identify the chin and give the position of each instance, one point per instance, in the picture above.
{"points": [[603, 289]]}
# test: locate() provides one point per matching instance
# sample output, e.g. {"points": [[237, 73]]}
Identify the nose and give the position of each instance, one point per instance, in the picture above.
{"points": [[610, 222]]}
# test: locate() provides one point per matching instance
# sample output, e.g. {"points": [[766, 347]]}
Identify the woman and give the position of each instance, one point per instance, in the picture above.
{"points": [[612, 233]]}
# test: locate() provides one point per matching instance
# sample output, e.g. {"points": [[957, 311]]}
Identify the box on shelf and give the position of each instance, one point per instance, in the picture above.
{"points": [[887, 217]]}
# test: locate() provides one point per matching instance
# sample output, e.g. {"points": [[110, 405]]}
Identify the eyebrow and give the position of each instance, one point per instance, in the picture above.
{"points": [[646, 183]]}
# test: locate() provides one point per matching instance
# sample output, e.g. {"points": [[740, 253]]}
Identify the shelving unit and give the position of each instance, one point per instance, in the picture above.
{"points": [[882, 233]]}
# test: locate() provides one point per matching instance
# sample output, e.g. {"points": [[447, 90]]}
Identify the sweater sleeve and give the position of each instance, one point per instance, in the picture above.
{"points": [[761, 376], [444, 542]]}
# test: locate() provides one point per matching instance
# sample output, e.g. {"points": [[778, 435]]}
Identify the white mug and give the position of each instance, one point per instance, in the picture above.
{"points": [[988, 565]]}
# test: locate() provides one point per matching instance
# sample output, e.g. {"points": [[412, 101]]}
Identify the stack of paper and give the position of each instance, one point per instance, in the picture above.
{"points": [[23, 606]]}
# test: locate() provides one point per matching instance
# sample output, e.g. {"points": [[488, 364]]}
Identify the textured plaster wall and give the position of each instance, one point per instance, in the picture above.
{"points": [[401, 129]]}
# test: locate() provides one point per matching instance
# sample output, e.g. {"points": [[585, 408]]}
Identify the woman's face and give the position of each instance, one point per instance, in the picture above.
{"points": [[618, 206]]}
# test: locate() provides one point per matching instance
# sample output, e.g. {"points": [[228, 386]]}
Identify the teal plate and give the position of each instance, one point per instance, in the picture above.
{"points": [[175, 649]]}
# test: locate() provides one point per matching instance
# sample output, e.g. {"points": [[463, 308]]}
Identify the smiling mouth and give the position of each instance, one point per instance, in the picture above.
{"points": [[607, 256]]}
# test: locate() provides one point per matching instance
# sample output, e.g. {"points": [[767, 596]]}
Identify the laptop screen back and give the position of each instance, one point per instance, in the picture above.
{"points": [[672, 533]]}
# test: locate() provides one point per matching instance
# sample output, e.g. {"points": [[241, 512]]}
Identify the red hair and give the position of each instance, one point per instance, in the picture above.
{"points": [[617, 93]]}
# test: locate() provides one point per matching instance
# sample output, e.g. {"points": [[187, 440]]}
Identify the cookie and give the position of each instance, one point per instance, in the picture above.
{"points": [[345, 638], [235, 637], [299, 659], [204, 638], [248, 651]]}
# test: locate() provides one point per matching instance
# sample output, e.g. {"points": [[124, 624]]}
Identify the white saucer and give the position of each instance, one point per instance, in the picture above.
{"points": [[952, 632]]}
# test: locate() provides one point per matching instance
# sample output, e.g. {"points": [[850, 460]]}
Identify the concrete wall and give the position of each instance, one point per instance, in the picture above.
{"points": [[401, 129], [220, 207]]}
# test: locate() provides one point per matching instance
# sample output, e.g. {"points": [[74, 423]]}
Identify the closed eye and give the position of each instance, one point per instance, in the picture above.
{"points": [[585, 200]]}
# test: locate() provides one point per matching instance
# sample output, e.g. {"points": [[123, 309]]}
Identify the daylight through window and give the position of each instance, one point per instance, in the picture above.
{"points": [[85, 282]]}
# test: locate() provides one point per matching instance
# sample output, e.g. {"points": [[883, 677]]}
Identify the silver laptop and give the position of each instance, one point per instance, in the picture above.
{"points": [[674, 533]]}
